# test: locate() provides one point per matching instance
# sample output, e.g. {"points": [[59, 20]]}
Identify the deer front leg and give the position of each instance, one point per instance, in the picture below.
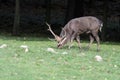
{"points": [[71, 42], [71, 37]]}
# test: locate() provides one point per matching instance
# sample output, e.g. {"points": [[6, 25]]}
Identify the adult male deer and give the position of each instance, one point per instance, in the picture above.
{"points": [[75, 27]]}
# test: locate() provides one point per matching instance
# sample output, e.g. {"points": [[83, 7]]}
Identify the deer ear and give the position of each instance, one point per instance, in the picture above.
{"points": [[62, 28]]}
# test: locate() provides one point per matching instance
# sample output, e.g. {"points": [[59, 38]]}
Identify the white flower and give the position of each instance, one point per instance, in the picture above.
{"points": [[26, 50], [64, 53], [98, 58], [25, 47], [51, 50], [115, 66], [3, 46]]}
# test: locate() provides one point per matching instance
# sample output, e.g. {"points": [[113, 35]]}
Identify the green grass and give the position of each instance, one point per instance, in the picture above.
{"points": [[39, 64]]}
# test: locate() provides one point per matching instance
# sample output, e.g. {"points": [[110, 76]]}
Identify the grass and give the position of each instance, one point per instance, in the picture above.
{"points": [[39, 64]]}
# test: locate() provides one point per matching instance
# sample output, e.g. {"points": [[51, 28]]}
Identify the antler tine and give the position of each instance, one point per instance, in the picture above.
{"points": [[48, 26], [50, 29]]}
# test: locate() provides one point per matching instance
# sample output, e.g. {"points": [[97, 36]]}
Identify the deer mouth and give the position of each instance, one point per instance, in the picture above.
{"points": [[62, 43], [59, 46]]}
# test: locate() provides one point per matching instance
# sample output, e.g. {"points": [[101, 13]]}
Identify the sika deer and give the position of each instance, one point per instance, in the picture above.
{"points": [[76, 27]]}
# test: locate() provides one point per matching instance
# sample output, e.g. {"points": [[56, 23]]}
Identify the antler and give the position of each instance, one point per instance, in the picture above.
{"points": [[50, 29], [56, 36]]}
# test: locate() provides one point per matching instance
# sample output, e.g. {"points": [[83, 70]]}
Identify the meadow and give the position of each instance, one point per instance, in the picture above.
{"points": [[39, 63]]}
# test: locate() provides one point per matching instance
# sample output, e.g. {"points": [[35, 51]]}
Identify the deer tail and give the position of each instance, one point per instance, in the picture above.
{"points": [[101, 25]]}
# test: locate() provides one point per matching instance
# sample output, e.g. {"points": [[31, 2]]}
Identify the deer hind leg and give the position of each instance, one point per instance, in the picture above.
{"points": [[78, 41], [91, 40], [95, 34]]}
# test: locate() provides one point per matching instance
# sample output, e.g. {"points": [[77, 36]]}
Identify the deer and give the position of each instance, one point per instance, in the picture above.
{"points": [[77, 26]]}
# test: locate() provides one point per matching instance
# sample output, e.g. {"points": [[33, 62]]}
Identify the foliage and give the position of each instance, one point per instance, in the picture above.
{"points": [[40, 64]]}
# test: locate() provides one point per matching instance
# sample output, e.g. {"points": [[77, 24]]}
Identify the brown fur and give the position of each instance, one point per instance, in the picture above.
{"points": [[77, 26]]}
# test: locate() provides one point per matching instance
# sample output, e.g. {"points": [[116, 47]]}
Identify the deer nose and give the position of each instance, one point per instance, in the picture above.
{"points": [[59, 45]]}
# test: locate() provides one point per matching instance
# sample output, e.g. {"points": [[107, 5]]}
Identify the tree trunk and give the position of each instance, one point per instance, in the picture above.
{"points": [[48, 10], [79, 8], [74, 9], [106, 2], [70, 10], [16, 19]]}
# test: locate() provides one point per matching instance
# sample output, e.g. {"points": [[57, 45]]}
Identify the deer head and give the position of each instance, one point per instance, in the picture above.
{"points": [[60, 39], [62, 42], [64, 39]]}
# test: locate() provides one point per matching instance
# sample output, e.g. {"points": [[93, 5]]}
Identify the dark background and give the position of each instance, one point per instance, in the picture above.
{"points": [[19, 17]]}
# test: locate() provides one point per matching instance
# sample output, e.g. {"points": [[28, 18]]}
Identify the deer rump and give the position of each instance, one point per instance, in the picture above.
{"points": [[77, 26]]}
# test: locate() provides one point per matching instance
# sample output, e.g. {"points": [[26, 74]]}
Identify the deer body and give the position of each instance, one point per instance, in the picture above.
{"points": [[78, 26]]}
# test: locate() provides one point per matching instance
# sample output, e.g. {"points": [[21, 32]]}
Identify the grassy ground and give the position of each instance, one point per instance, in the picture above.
{"points": [[64, 64]]}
